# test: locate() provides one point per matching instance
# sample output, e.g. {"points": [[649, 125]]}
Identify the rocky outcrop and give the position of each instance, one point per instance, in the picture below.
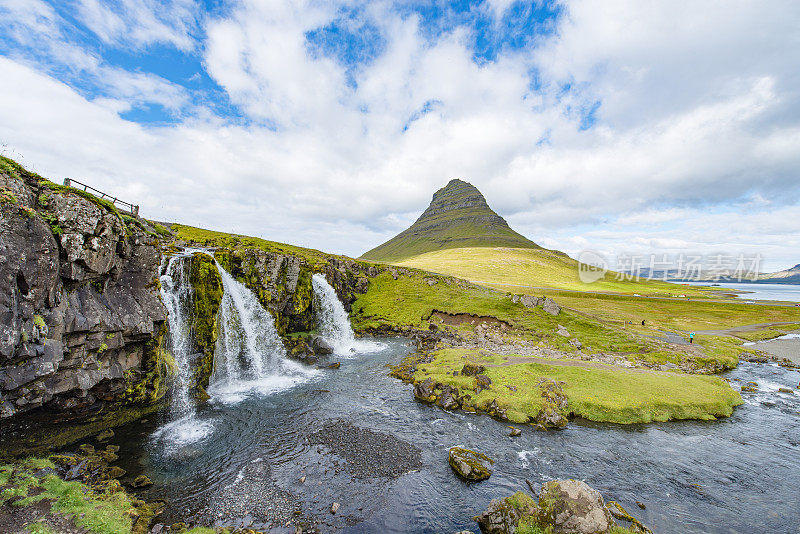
{"points": [[82, 319], [546, 303], [563, 507], [207, 294], [470, 465]]}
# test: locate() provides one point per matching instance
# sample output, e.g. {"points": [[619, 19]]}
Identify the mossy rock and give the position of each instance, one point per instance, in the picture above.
{"points": [[470, 465], [207, 291]]}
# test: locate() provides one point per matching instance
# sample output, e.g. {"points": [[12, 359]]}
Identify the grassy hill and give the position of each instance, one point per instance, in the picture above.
{"points": [[514, 269], [458, 216]]}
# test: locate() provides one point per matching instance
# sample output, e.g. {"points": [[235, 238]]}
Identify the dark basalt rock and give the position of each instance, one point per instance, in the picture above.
{"points": [[81, 316]]}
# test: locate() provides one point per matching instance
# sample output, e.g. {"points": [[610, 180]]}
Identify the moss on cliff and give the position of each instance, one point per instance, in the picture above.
{"points": [[158, 367], [207, 293]]}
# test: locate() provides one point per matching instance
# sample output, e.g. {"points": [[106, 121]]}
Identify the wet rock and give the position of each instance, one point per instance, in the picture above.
{"points": [[334, 365], [470, 465], [321, 346], [447, 398], [514, 432], [425, 390], [116, 472], [571, 506], [503, 516], [551, 414], [785, 390], [142, 481], [334, 507], [550, 306]]}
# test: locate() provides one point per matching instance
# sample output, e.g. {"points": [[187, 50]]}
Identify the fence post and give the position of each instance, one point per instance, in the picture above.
{"points": [[135, 211], [66, 182]]}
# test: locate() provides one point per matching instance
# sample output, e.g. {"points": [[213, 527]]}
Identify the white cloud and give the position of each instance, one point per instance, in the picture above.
{"points": [[694, 144]]}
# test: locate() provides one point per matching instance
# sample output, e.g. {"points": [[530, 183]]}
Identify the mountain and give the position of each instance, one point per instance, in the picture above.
{"points": [[788, 276], [457, 217]]}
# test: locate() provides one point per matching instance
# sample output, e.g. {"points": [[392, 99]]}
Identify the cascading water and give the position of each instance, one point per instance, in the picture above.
{"points": [[249, 355], [176, 292], [333, 322]]}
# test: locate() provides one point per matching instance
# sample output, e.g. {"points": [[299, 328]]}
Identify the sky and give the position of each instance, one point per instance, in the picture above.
{"points": [[622, 127]]}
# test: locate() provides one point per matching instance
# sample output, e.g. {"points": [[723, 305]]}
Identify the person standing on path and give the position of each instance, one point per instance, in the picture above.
{"points": [[691, 337]]}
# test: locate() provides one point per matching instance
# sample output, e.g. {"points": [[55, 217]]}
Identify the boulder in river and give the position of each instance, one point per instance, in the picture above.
{"points": [[470, 465], [564, 507], [321, 346], [571, 506]]}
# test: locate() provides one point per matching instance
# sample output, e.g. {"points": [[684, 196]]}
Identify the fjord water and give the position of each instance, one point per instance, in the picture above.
{"points": [[739, 474]]}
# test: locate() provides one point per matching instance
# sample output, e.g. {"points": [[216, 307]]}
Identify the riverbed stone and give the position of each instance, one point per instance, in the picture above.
{"points": [[470, 465]]}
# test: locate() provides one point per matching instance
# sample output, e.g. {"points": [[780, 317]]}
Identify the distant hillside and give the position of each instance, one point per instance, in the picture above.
{"points": [[788, 276], [458, 217]]}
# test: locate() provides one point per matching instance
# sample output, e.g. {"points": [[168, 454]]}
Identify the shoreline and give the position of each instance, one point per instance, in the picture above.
{"points": [[782, 348]]}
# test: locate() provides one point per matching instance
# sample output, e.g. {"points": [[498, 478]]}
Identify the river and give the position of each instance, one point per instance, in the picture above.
{"points": [[740, 474]]}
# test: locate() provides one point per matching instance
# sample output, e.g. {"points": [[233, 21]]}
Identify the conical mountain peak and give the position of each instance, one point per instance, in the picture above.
{"points": [[458, 216]]}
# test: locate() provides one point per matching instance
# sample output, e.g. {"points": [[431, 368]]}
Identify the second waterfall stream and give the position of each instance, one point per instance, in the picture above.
{"points": [[333, 322]]}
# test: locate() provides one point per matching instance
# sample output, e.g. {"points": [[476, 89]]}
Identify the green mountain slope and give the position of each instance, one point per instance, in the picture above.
{"points": [[457, 217]]}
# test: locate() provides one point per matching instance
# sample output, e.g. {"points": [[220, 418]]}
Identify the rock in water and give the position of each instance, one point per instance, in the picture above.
{"points": [[503, 517], [470, 465], [571, 506], [321, 346], [514, 432]]}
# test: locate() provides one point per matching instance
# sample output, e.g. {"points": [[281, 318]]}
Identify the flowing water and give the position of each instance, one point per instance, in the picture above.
{"points": [[249, 358], [333, 322], [740, 474]]}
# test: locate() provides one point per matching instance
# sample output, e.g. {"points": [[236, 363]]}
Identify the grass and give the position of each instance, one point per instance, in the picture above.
{"points": [[409, 301], [97, 513], [598, 393], [212, 239], [674, 315], [521, 270]]}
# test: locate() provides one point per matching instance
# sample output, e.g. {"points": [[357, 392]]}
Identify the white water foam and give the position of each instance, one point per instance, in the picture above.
{"points": [[184, 431], [333, 322], [249, 357]]}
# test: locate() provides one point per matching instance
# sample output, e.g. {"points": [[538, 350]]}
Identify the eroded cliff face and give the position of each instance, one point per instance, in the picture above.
{"points": [[81, 318]]}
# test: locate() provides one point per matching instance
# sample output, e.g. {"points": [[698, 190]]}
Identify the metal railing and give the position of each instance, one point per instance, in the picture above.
{"points": [[133, 209]]}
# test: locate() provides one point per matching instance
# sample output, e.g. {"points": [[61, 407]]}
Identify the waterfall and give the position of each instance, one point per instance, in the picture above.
{"points": [[333, 322], [249, 355], [176, 292]]}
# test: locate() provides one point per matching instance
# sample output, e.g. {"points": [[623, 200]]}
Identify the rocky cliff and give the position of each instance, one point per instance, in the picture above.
{"points": [[82, 319]]}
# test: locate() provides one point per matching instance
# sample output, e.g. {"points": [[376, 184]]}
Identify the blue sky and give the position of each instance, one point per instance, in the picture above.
{"points": [[620, 127]]}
